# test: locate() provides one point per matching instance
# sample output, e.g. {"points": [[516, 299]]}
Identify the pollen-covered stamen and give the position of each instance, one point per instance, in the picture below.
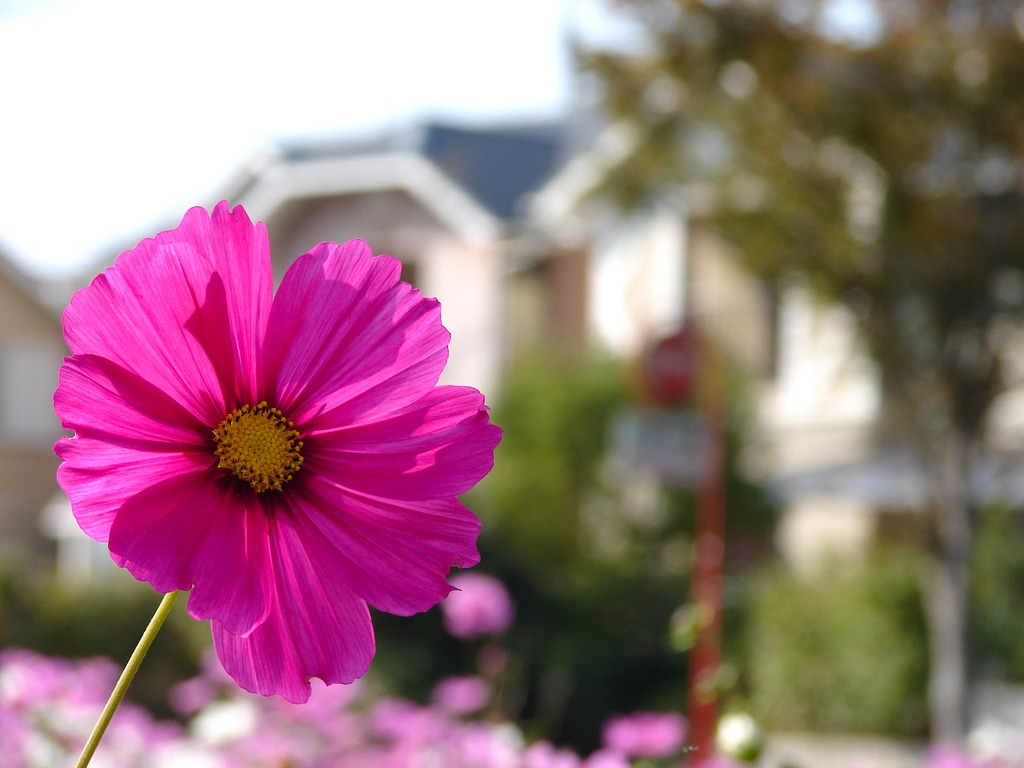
{"points": [[259, 445]]}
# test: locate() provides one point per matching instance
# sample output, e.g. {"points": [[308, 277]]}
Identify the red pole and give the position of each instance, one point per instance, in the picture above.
{"points": [[709, 549]]}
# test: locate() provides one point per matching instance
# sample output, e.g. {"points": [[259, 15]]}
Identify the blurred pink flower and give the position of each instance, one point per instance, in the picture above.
{"points": [[605, 758], [482, 745], [48, 706], [401, 721], [543, 754], [461, 695], [480, 606], [645, 734], [190, 696], [949, 756], [289, 459]]}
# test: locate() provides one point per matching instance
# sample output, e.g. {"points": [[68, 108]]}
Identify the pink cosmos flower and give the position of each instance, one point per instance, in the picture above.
{"points": [[949, 756], [543, 754], [605, 758], [645, 734], [461, 695], [480, 606], [288, 458]]}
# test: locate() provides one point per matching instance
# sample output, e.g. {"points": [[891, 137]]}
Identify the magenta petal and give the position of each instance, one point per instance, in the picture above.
{"points": [[316, 627], [345, 331], [186, 311], [99, 477], [99, 398], [240, 251], [130, 435], [203, 533], [394, 555], [440, 446]]}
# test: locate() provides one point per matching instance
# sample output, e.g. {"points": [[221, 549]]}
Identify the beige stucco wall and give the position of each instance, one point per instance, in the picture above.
{"points": [[467, 279], [31, 349]]}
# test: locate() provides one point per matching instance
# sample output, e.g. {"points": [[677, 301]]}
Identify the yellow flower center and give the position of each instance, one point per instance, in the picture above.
{"points": [[260, 446]]}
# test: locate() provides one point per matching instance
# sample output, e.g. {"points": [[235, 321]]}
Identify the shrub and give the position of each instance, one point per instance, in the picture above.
{"points": [[998, 592], [843, 651]]}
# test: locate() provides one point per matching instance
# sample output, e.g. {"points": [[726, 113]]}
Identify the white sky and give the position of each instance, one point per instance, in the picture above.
{"points": [[116, 115]]}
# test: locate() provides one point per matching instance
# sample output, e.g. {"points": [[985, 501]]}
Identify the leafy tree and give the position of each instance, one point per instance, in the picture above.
{"points": [[886, 166]]}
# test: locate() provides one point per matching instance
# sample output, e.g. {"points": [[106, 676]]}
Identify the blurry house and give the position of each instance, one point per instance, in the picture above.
{"points": [[652, 270], [817, 392], [31, 349]]}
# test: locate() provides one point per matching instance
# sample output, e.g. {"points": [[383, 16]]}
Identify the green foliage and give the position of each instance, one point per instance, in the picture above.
{"points": [[842, 651], [555, 417], [591, 646], [998, 583]]}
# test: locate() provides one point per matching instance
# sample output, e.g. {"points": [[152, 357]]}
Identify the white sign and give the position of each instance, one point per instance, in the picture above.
{"points": [[671, 443]]}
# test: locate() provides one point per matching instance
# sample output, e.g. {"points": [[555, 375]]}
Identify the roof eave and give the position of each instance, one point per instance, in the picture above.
{"points": [[277, 183]]}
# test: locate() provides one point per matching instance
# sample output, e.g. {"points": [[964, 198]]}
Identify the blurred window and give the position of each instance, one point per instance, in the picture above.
{"points": [[28, 378]]}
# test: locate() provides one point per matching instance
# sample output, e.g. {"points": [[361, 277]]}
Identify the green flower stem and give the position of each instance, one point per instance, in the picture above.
{"points": [[126, 678]]}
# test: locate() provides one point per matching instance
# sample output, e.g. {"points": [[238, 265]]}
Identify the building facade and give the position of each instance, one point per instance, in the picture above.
{"points": [[31, 350]]}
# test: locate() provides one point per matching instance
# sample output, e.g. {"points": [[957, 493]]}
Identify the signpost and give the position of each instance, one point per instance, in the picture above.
{"points": [[673, 444], [672, 366], [709, 551], [685, 447]]}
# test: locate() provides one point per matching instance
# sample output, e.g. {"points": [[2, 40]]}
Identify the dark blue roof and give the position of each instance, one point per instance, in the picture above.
{"points": [[496, 166]]}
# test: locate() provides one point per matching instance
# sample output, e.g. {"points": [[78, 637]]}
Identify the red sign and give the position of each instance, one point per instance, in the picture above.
{"points": [[671, 367]]}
